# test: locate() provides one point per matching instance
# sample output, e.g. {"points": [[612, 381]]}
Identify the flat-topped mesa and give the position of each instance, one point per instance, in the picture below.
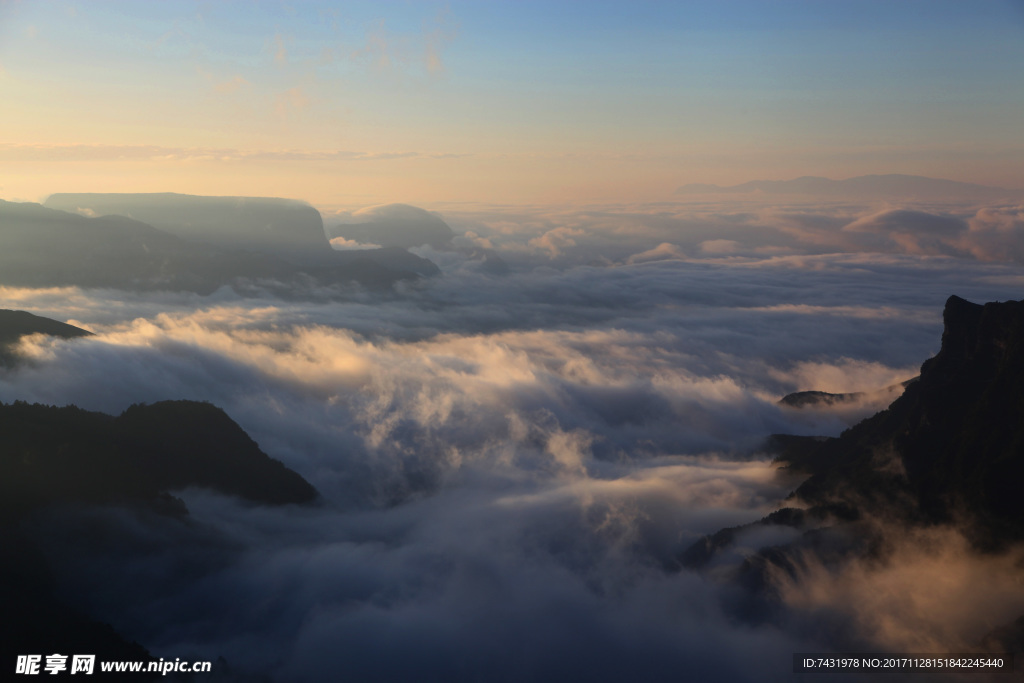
{"points": [[287, 228]]}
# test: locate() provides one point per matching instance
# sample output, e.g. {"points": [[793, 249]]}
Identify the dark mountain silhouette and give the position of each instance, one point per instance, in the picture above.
{"points": [[812, 399], [951, 445], [394, 258], [34, 619], [47, 247], [950, 450], [893, 185], [69, 455], [53, 458], [16, 324]]}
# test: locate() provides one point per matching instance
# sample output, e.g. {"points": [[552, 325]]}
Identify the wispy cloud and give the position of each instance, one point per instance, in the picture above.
{"points": [[384, 49], [175, 32], [290, 101], [231, 85], [437, 35], [293, 99], [223, 86], [280, 50], [381, 49]]}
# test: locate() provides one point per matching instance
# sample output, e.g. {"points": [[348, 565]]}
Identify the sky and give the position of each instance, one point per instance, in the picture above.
{"points": [[352, 104]]}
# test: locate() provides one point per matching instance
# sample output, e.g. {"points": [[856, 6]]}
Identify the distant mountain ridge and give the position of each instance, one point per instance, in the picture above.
{"points": [[288, 230], [285, 228], [887, 185], [40, 246]]}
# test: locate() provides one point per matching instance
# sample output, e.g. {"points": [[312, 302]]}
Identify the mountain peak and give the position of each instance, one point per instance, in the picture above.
{"points": [[957, 434], [979, 339], [950, 450]]}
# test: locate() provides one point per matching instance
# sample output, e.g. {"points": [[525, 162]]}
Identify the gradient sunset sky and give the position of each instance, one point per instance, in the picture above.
{"points": [[356, 103]]}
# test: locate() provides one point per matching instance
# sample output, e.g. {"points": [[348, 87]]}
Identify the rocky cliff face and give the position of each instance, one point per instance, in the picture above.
{"points": [[946, 457], [944, 461], [951, 447]]}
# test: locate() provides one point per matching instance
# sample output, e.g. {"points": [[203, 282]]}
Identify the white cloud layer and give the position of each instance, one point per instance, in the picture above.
{"points": [[512, 460]]}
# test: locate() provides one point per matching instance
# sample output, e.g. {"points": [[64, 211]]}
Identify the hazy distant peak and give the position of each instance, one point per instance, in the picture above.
{"points": [[886, 185], [382, 212], [394, 225]]}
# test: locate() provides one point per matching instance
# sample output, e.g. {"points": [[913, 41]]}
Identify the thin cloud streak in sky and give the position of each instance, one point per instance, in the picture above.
{"points": [[293, 98]]}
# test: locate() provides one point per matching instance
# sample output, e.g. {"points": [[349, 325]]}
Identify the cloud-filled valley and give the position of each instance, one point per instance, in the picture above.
{"points": [[516, 342], [512, 458]]}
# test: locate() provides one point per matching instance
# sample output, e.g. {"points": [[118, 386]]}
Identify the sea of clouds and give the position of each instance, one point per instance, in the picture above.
{"points": [[513, 454]]}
